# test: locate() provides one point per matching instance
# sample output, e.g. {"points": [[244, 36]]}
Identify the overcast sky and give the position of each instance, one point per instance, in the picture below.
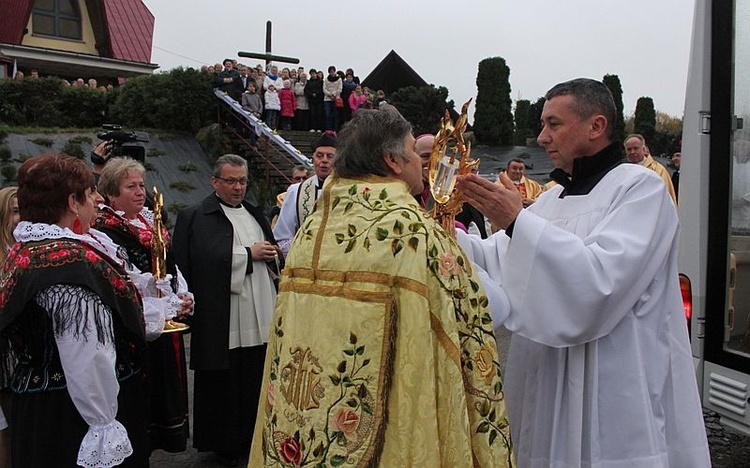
{"points": [[645, 42]]}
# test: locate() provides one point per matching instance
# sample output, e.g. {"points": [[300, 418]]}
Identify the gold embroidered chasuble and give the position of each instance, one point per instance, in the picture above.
{"points": [[382, 349]]}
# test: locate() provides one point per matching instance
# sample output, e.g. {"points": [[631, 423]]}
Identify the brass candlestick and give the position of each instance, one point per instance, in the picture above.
{"points": [[449, 158], [159, 257]]}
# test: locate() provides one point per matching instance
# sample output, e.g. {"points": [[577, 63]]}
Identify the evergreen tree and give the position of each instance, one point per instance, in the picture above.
{"points": [[645, 118], [534, 122], [423, 107], [521, 118], [493, 120], [613, 83]]}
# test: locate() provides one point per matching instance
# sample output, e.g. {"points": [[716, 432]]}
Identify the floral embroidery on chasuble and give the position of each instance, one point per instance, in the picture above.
{"points": [[382, 348]]}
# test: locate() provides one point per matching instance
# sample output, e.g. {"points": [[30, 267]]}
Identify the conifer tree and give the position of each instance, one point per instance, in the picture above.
{"points": [[521, 118], [613, 83], [493, 120], [645, 118]]}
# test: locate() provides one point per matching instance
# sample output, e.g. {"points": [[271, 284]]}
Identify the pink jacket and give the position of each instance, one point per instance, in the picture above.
{"points": [[356, 101], [288, 102]]}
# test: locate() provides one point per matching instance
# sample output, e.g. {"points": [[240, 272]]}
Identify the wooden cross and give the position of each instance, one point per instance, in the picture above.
{"points": [[268, 56]]}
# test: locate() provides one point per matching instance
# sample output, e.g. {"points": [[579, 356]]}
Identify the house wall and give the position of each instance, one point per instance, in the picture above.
{"points": [[85, 46]]}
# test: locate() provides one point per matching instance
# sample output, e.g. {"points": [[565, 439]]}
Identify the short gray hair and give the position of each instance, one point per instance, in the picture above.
{"points": [[114, 171], [231, 159], [365, 139], [638, 136], [591, 97]]}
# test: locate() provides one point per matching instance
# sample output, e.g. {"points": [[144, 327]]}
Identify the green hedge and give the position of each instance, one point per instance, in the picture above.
{"points": [[180, 99]]}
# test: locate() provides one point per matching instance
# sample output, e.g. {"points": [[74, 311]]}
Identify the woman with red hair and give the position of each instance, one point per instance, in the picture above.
{"points": [[72, 328]]}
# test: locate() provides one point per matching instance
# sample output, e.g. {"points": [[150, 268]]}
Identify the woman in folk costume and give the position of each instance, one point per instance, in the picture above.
{"points": [[72, 328], [125, 219], [382, 350], [9, 218]]}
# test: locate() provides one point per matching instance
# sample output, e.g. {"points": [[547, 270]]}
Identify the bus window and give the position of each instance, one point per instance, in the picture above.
{"points": [[737, 317]]}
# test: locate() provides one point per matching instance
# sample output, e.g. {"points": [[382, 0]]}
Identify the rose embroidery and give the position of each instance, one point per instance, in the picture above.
{"points": [[448, 265], [22, 261], [485, 366], [290, 451], [91, 256], [347, 422]]}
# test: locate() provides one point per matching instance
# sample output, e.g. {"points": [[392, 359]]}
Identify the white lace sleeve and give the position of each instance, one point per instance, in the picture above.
{"points": [[182, 288], [155, 309], [155, 312], [85, 341]]}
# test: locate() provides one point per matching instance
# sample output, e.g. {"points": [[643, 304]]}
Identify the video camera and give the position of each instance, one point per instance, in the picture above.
{"points": [[121, 144]]}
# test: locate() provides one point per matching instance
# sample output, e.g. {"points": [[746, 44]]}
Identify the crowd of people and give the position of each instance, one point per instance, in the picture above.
{"points": [[294, 98], [356, 330], [78, 82]]}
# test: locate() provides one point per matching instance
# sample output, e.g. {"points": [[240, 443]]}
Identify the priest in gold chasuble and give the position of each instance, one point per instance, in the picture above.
{"points": [[382, 351]]}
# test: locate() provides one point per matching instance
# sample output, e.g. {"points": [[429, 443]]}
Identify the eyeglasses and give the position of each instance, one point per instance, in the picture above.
{"points": [[232, 181], [298, 178]]}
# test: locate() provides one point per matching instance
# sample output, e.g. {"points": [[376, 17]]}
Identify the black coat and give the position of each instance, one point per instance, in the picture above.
{"points": [[202, 245], [233, 89], [314, 91]]}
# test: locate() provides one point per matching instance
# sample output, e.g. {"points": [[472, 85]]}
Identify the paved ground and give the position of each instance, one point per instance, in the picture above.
{"points": [[729, 449]]}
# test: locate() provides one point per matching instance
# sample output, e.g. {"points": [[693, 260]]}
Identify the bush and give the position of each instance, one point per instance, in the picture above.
{"points": [[210, 140], [154, 152], [181, 185], [31, 102], [8, 171], [176, 207], [178, 100], [188, 166], [82, 107], [43, 141], [5, 154], [72, 148], [81, 139]]}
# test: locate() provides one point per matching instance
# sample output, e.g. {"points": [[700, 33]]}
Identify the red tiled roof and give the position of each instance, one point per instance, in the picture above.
{"points": [[131, 29], [15, 16]]}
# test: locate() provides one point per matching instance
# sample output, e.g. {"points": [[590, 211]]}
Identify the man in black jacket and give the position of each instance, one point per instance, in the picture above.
{"points": [[226, 251], [229, 81]]}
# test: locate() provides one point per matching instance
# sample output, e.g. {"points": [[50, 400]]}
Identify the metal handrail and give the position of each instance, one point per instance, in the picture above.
{"points": [[261, 128]]}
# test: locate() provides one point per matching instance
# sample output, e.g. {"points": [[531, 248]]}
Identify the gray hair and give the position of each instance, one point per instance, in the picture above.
{"points": [[231, 159], [365, 139], [114, 171], [637, 136], [591, 97], [299, 167]]}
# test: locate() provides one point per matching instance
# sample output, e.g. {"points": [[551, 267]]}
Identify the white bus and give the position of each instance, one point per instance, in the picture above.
{"points": [[714, 207]]}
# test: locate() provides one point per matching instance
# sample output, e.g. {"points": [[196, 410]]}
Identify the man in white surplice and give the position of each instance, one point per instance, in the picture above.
{"points": [[301, 197], [599, 371], [226, 250]]}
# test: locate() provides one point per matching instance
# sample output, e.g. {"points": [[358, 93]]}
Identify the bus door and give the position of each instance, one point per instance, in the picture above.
{"points": [[726, 366]]}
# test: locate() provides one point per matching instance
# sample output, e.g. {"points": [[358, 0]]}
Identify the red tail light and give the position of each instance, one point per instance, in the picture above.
{"points": [[687, 298]]}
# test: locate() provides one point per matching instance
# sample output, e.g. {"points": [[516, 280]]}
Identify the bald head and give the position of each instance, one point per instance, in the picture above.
{"points": [[423, 147]]}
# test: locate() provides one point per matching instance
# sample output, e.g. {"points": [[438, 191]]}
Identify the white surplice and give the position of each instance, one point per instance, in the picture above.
{"points": [[600, 370], [253, 295]]}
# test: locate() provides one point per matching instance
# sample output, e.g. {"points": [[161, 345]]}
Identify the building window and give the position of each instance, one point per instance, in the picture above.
{"points": [[58, 18]]}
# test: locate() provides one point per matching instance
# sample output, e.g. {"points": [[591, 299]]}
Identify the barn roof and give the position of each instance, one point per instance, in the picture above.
{"points": [[392, 74]]}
